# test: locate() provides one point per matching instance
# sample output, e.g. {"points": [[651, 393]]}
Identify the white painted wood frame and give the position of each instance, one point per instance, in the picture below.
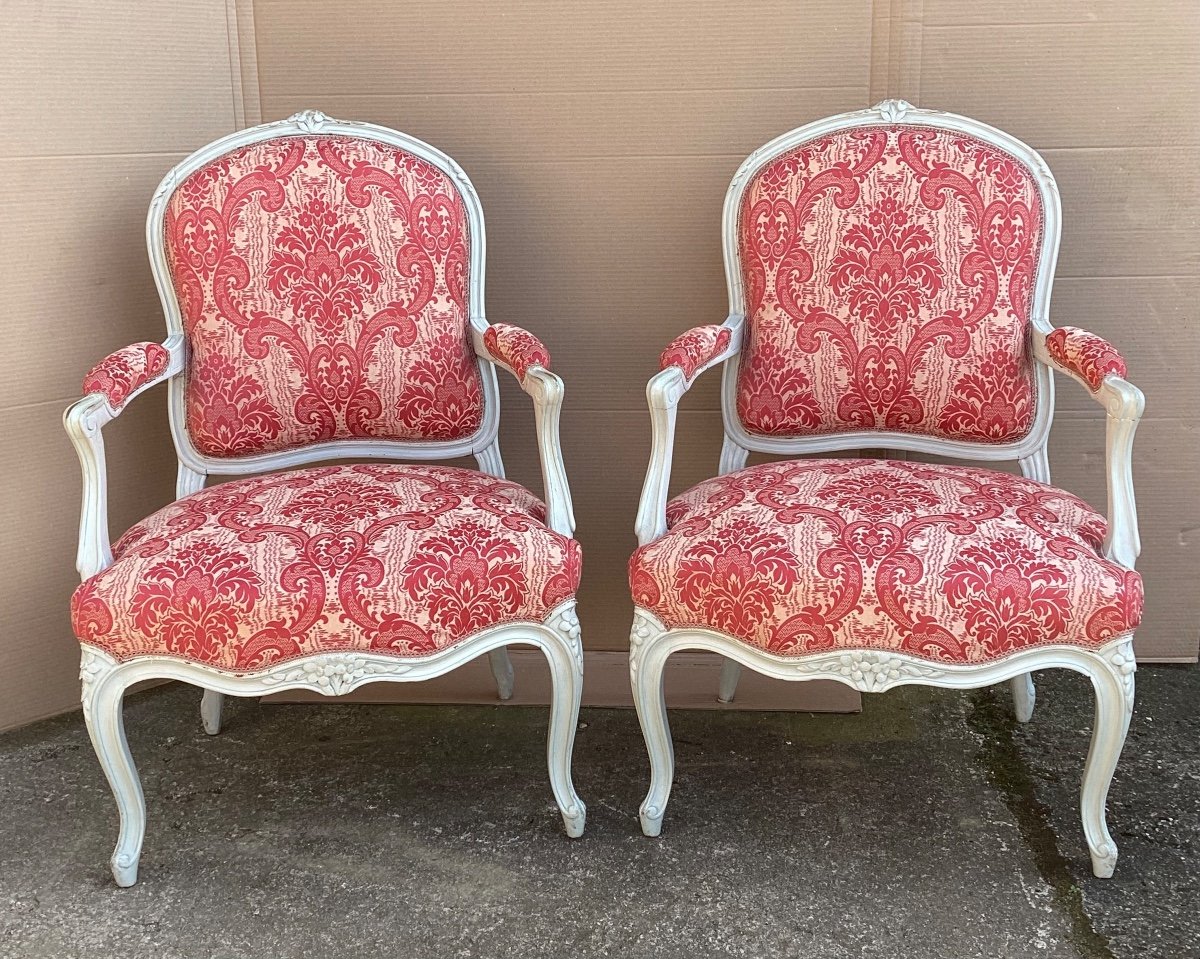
{"points": [[104, 680], [1110, 668]]}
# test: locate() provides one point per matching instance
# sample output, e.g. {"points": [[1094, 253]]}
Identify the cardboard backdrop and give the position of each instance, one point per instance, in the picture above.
{"points": [[601, 137]]}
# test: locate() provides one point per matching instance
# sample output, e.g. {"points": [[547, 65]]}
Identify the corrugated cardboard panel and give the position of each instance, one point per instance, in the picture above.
{"points": [[100, 100], [95, 232], [39, 505], [83, 79], [1154, 318], [523, 127], [376, 46], [1168, 512], [602, 138], [1070, 82]]}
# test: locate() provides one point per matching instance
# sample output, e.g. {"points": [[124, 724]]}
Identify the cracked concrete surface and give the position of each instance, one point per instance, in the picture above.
{"points": [[931, 825]]}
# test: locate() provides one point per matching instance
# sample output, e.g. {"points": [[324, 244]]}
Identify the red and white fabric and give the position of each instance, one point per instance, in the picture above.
{"points": [[121, 374], [399, 560], [323, 282], [694, 349], [888, 276], [1088, 356], [949, 563], [516, 348]]}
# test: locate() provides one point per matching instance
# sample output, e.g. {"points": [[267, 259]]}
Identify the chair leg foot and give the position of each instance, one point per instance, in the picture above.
{"points": [[1024, 695], [502, 671], [125, 873], [731, 672], [651, 820], [575, 821], [565, 657], [1112, 679], [103, 698], [646, 667], [211, 705]]}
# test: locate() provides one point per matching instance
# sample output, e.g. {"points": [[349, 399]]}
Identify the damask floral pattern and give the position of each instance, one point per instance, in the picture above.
{"points": [[121, 374], [1088, 356], [694, 349], [403, 560], [516, 348], [323, 287], [948, 563], [888, 276]]}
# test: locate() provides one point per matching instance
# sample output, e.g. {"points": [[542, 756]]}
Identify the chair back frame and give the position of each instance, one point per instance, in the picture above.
{"points": [[1031, 448], [194, 465]]}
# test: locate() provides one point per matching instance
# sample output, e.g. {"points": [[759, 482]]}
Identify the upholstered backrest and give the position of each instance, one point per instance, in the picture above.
{"points": [[888, 273], [322, 283]]}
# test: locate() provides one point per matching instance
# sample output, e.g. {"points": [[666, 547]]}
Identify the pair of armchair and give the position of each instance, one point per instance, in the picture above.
{"points": [[889, 273]]}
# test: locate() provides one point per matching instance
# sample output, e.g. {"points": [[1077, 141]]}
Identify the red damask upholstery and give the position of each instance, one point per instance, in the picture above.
{"points": [[402, 560], [323, 286], [516, 348], [948, 563], [1088, 356], [888, 276], [121, 374], [694, 349]]}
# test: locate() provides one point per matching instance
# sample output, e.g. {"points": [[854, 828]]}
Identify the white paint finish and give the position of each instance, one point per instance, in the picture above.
{"points": [[211, 704], [105, 681], [1111, 668]]}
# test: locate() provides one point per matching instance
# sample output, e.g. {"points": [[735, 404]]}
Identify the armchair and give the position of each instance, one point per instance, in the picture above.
{"points": [[323, 289], [889, 273]]}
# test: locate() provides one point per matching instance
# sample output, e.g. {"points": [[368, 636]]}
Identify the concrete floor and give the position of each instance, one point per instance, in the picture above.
{"points": [[928, 826]]}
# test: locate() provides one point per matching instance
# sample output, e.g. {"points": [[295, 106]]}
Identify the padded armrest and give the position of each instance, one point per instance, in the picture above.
{"points": [[120, 375], [695, 350], [1086, 355], [516, 349]]}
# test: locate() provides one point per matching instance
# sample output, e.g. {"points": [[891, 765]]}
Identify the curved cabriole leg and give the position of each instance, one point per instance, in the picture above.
{"points": [[103, 697], [731, 672], [1024, 696], [646, 668], [210, 711], [502, 670], [565, 657], [1112, 679]]}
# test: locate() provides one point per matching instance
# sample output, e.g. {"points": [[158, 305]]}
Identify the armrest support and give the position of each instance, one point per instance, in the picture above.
{"points": [[1095, 364], [687, 356], [109, 386], [524, 355]]}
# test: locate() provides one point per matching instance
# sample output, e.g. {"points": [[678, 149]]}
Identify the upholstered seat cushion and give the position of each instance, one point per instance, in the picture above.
{"points": [[948, 563], [401, 560]]}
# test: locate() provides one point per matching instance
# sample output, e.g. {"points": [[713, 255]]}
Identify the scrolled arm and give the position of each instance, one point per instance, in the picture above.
{"points": [[524, 355], [109, 386], [687, 356], [1094, 363]]}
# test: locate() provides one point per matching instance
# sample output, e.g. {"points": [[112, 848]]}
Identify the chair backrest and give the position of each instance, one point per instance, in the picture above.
{"points": [[889, 264], [325, 276]]}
